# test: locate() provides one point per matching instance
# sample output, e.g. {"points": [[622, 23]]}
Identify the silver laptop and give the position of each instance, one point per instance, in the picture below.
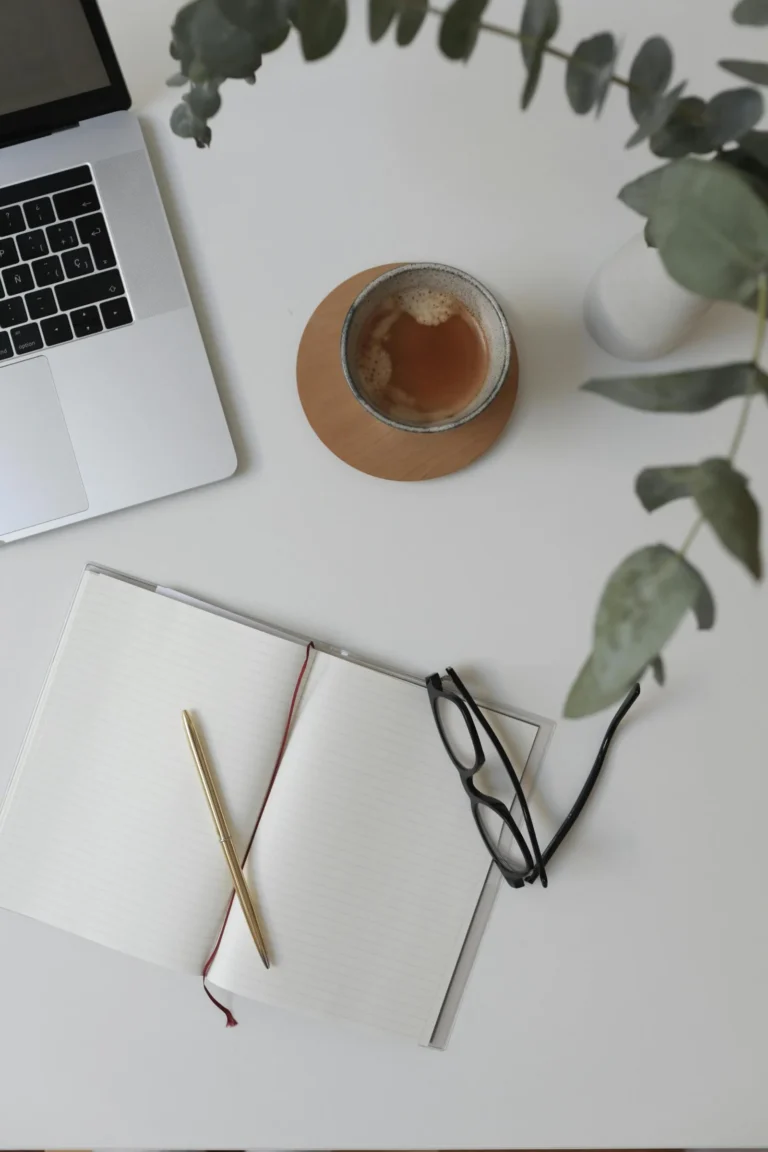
{"points": [[106, 395]]}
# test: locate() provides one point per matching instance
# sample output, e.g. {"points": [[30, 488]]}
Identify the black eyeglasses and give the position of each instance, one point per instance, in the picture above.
{"points": [[492, 817]]}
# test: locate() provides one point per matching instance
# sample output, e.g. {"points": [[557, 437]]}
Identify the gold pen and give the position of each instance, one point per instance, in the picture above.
{"points": [[222, 830]]}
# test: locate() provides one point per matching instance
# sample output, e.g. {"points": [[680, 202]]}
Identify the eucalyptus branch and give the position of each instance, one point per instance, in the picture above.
{"points": [[547, 49]]}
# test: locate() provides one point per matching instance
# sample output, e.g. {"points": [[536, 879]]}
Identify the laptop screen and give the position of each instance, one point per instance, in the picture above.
{"points": [[56, 65], [47, 53]]}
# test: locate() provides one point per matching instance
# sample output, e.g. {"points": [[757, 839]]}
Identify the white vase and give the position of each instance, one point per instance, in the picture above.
{"points": [[634, 309]]}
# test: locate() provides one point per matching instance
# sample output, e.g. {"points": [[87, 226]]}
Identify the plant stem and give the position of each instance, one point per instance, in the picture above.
{"points": [[762, 312], [549, 49]]}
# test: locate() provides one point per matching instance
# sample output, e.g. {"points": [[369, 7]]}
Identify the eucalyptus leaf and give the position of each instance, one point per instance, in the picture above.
{"points": [[756, 143], [209, 47], [754, 12], [656, 487], [711, 228], [640, 194], [685, 131], [540, 22], [460, 27], [649, 76], [722, 497], [541, 19], [321, 24], [642, 606], [731, 114], [657, 115], [184, 123], [412, 16], [696, 390], [587, 696], [657, 668], [204, 100], [381, 13], [755, 71], [589, 71], [178, 80]]}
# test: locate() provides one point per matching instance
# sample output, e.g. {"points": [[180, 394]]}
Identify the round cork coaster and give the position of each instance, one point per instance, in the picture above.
{"points": [[360, 439]]}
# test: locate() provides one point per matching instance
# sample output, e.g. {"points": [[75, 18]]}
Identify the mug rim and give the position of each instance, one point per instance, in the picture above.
{"points": [[391, 274]]}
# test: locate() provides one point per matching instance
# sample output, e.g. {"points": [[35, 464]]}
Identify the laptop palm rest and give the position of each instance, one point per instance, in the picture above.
{"points": [[39, 477]]}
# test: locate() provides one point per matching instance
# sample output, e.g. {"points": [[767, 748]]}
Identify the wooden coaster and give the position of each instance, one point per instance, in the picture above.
{"points": [[360, 439]]}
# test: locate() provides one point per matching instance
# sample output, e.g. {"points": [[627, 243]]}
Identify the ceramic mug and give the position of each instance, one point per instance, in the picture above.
{"points": [[470, 294]]}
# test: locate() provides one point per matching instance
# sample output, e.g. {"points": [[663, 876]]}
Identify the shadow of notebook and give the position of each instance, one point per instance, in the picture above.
{"points": [[367, 867]]}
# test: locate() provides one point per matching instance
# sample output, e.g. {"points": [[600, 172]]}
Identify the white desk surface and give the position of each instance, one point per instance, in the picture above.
{"points": [[626, 1005]]}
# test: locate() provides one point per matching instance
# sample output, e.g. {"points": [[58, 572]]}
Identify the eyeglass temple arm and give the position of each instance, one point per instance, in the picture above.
{"points": [[589, 783], [539, 861]]}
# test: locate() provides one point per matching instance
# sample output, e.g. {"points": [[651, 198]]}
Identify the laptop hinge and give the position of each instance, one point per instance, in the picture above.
{"points": [[24, 137]]}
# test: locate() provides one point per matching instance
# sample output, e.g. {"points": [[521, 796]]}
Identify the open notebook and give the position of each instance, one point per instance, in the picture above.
{"points": [[367, 868]]}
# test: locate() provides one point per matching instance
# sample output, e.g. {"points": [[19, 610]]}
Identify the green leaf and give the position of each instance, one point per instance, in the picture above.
{"points": [[381, 13], [711, 229], [460, 27], [755, 71], [731, 114], [204, 100], [694, 391], [209, 47], [641, 607], [656, 487], [640, 194], [723, 498], [649, 76], [657, 115], [178, 80], [321, 24], [184, 123], [754, 12], [587, 696], [756, 143], [412, 16], [540, 22], [657, 667], [685, 131], [588, 73]]}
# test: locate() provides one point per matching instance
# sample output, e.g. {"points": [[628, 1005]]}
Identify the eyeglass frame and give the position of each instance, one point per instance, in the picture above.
{"points": [[535, 860]]}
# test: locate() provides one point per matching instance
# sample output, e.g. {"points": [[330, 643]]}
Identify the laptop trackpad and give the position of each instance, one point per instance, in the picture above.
{"points": [[39, 477]]}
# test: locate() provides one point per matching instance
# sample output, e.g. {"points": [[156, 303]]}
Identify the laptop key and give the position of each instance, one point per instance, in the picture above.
{"points": [[86, 321], [12, 312], [6, 348], [77, 202], [61, 236], [11, 220], [18, 279], [45, 185], [103, 253], [27, 339], [116, 313], [9, 253], [48, 271], [39, 212], [41, 303], [77, 263], [89, 290], [90, 228], [32, 244], [56, 330]]}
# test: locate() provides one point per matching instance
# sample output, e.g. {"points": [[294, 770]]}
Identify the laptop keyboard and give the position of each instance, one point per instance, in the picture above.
{"points": [[59, 276]]}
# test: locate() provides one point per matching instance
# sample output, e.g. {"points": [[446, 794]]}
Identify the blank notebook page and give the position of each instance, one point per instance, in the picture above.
{"points": [[105, 831], [367, 865]]}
